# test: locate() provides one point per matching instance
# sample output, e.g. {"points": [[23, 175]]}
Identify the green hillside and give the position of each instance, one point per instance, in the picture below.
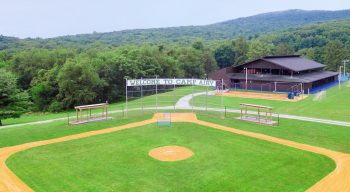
{"points": [[249, 27], [62, 72]]}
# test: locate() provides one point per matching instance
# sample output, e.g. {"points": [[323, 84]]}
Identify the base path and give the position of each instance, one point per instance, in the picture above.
{"points": [[336, 181]]}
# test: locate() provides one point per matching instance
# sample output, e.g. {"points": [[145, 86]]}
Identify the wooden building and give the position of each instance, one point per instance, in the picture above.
{"points": [[276, 73]]}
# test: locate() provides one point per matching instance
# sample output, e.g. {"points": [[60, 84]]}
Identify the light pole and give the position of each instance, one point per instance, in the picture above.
{"points": [[339, 76], [246, 78]]}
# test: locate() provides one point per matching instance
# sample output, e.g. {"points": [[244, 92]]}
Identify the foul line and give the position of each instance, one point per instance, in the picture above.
{"points": [[337, 180]]}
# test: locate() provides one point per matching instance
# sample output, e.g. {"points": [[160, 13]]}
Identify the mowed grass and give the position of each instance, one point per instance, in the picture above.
{"points": [[331, 137], [119, 161], [335, 105], [30, 133], [168, 98]]}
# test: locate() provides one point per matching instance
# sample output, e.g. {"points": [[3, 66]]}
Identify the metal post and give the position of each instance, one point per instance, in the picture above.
{"points": [[106, 111], [302, 91], [225, 112], [68, 118], [156, 93], [222, 92], [206, 98], [339, 76], [246, 78], [142, 97], [126, 97], [192, 97], [174, 81]]}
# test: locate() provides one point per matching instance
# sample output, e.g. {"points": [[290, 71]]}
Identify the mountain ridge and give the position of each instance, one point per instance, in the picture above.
{"points": [[248, 27]]}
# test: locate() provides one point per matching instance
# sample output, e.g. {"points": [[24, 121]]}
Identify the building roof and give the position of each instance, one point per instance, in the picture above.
{"points": [[305, 78], [291, 62]]}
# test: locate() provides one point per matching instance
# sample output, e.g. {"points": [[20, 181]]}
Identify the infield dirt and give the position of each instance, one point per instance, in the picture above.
{"points": [[262, 95], [336, 181]]}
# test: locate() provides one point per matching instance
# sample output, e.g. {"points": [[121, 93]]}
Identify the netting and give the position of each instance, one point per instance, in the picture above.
{"points": [[269, 87], [149, 99], [165, 120]]}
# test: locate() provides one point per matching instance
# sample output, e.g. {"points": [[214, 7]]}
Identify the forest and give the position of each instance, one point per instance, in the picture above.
{"points": [[52, 77]]}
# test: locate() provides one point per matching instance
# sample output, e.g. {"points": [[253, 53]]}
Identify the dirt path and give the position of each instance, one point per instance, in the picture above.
{"points": [[337, 180]]}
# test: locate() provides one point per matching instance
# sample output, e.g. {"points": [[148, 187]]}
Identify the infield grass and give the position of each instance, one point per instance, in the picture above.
{"points": [[119, 161]]}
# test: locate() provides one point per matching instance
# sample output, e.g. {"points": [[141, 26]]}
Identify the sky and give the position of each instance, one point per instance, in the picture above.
{"points": [[51, 18]]}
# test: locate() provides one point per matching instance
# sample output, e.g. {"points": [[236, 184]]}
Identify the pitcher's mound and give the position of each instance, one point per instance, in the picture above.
{"points": [[170, 153]]}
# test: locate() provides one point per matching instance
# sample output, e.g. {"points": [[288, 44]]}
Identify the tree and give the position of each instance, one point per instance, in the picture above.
{"points": [[192, 62], [224, 56], [78, 83], [334, 53], [198, 45], [258, 49], [13, 101], [308, 53], [284, 49], [240, 48], [42, 95], [209, 62]]}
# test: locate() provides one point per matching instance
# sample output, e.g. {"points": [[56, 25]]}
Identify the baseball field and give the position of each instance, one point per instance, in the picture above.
{"points": [[201, 153]]}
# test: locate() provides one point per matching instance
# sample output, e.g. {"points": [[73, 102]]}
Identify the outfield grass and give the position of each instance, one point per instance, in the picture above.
{"points": [[336, 104], [331, 137], [118, 161], [29, 133], [164, 99]]}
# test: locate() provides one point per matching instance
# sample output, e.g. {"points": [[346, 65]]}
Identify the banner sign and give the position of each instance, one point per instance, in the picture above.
{"points": [[199, 82]]}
